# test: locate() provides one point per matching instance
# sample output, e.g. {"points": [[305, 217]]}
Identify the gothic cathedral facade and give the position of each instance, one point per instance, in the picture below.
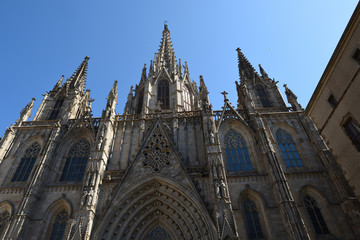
{"points": [[171, 167]]}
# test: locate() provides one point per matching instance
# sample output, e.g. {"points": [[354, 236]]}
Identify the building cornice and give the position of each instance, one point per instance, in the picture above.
{"points": [[340, 48]]}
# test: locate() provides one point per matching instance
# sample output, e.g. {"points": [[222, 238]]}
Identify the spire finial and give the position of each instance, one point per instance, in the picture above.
{"points": [[262, 71], [165, 25], [292, 99]]}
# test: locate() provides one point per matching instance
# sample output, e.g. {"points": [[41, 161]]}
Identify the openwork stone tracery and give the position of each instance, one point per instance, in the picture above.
{"points": [[157, 150]]}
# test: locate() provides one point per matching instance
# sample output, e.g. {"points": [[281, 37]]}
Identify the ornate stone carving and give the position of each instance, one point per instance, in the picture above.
{"points": [[157, 150]]}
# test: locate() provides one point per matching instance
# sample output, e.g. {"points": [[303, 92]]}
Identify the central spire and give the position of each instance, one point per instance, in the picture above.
{"points": [[166, 55]]}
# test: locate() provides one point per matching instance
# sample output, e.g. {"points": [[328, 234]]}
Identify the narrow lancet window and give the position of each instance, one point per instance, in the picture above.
{"points": [[237, 154], [76, 162], [253, 221], [187, 98], [263, 96], [58, 227], [315, 216], [56, 109], [4, 221], [26, 163], [288, 149], [163, 94], [140, 101]]}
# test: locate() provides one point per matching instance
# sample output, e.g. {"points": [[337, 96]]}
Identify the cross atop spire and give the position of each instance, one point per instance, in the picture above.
{"points": [[225, 95]]}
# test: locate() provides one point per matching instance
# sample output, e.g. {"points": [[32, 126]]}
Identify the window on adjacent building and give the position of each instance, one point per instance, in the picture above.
{"points": [[252, 219], [163, 94], [315, 215], [237, 154], [140, 101], [187, 98], [58, 227], [356, 55], [332, 101], [288, 149], [26, 163], [56, 109], [4, 221], [76, 162], [353, 131], [263, 96]]}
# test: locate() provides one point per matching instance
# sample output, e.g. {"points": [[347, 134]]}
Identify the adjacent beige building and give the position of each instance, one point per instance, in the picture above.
{"points": [[170, 166], [335, 104]]}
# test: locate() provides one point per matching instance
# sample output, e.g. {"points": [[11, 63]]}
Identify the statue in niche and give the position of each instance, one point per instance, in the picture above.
{"points": [[217, 190], [224, 193], [212, 137], [101, 138], [87, 197]]}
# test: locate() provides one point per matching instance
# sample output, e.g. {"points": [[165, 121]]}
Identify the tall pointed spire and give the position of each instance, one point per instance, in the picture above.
{"points": [[111, 102], [166, 55], [246, 70], [58, 84], [113, 93], [292, 99], [25, 113], [263, 73], [77, 80]]}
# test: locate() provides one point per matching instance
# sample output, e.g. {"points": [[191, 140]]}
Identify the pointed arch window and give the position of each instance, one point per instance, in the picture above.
{"points": [[315, 215], [252, 220], [187, 98], [76, 162], [158, 233], [56, 109], [58, 227], [288, 149], [4, 221], [140, 101], [263, 96], [26, 163], [237, 154], [163, 94]]}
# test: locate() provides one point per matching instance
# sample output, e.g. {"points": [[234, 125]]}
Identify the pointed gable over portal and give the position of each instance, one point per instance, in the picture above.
{"points": [[156, 194]]}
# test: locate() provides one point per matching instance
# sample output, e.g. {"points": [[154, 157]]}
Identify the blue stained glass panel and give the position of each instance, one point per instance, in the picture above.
{"points": [[288, 149], [236, 152]]}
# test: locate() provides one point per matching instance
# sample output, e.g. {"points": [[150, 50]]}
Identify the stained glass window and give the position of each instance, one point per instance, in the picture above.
{"points": [[288, 149], [76, 162], [140, 101], [26, 163], [4, 220], [263, 96], [163, 94], [253, 221], [187, 99], [158, 233], [237, 154], [315, 215], [58, 227], [56, 109]]}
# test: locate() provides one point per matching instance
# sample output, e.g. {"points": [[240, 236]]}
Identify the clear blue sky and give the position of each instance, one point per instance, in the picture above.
{"points": [[41, 40]]}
